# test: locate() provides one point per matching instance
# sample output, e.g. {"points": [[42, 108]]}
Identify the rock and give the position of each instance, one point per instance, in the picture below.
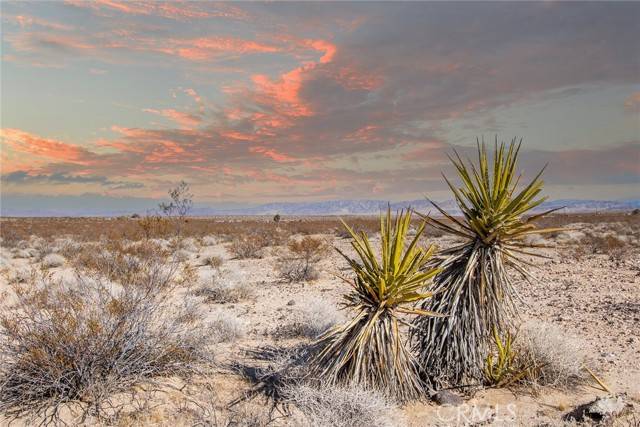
{"points": [[602, 411], [291, 302], [446, 398]]}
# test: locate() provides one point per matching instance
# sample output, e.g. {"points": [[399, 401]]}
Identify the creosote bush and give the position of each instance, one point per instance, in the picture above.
{"points": [[298, 262], [225, 288], [248, 246], [75, 345]]}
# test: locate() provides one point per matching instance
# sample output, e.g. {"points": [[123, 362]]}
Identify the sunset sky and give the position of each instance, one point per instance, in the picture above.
{"points": [[273, 102]]}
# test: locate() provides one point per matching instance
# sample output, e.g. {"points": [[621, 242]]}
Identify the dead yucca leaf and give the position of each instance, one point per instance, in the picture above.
{"points": [[369, 350], [474, 288]]}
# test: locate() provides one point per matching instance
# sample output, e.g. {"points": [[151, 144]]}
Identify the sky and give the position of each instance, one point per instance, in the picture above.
{"points": [[298, 101]]}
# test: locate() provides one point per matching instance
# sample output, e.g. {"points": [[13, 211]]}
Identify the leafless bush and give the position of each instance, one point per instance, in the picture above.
{"points": [[332, 406], [553, 358], [248, 246], [298, 263], [76, 345], [225, 288]]}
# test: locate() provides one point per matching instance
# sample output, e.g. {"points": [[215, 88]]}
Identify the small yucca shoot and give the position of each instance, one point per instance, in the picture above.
{"points": [[502, 367], [474, 288], [369, 350]]}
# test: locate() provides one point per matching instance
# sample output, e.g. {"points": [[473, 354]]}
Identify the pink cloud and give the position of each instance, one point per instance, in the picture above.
{"points": [[272, 154], [24, 142], [632, 103], [185, 120], [26, 21], [206, 48], [175, 9]]}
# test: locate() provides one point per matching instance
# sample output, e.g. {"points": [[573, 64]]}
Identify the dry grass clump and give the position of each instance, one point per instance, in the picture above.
{"points": [[225, 288], [227, 327], [213, 261], [316, 318], [298, 262], [553, 358], [53, 260], [335, 406], [248, 246], [209, 241], [76, 345]]}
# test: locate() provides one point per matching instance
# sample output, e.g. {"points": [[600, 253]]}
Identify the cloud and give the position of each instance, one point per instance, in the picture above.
{"points": [[176, 9], [632, 103], [24, 142], [332, 99], [26, 177]]}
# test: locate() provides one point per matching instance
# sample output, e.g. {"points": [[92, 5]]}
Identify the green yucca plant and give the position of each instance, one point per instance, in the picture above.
{"points": [[474, 288], [502, 367], [369, 350]]}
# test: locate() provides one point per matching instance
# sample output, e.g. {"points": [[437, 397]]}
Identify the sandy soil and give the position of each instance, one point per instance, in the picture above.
{"points": [[592, 297]]}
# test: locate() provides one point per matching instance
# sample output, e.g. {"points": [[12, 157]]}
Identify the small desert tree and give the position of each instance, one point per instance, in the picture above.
{"points": [[179, 206], [369, 350], [474, 288]]}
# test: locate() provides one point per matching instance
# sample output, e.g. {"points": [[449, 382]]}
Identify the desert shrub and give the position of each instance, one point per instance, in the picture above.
{"points": [[474, 288], [53, 260], [609, 244], [209, 241], [188, 244], [77, 344], [298, 262], [154, 226], [553, 358], [335, 406], [368, 350], [227, 326], [215, 262], [248, 246], [225, 288], [316, 317], [181, 202]]}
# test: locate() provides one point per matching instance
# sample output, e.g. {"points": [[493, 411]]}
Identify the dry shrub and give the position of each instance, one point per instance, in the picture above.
{"points": [[248, 246], [226, 288], [553, 358], [298, 263], [75, 345], [214, 262], [209, 241], [53, 260], [316, 317], [333, 406], [227, 327], [154, 226]]}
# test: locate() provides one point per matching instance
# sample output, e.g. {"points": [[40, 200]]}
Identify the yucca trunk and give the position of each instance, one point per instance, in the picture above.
{"points": [[475, 292]]}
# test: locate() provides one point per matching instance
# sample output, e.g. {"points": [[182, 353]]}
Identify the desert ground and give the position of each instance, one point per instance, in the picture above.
{"points": [[242, 277]]}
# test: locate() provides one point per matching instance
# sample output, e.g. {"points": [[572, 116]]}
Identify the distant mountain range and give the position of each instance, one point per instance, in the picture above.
{"points": [[96, 205], [369, 207]]}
